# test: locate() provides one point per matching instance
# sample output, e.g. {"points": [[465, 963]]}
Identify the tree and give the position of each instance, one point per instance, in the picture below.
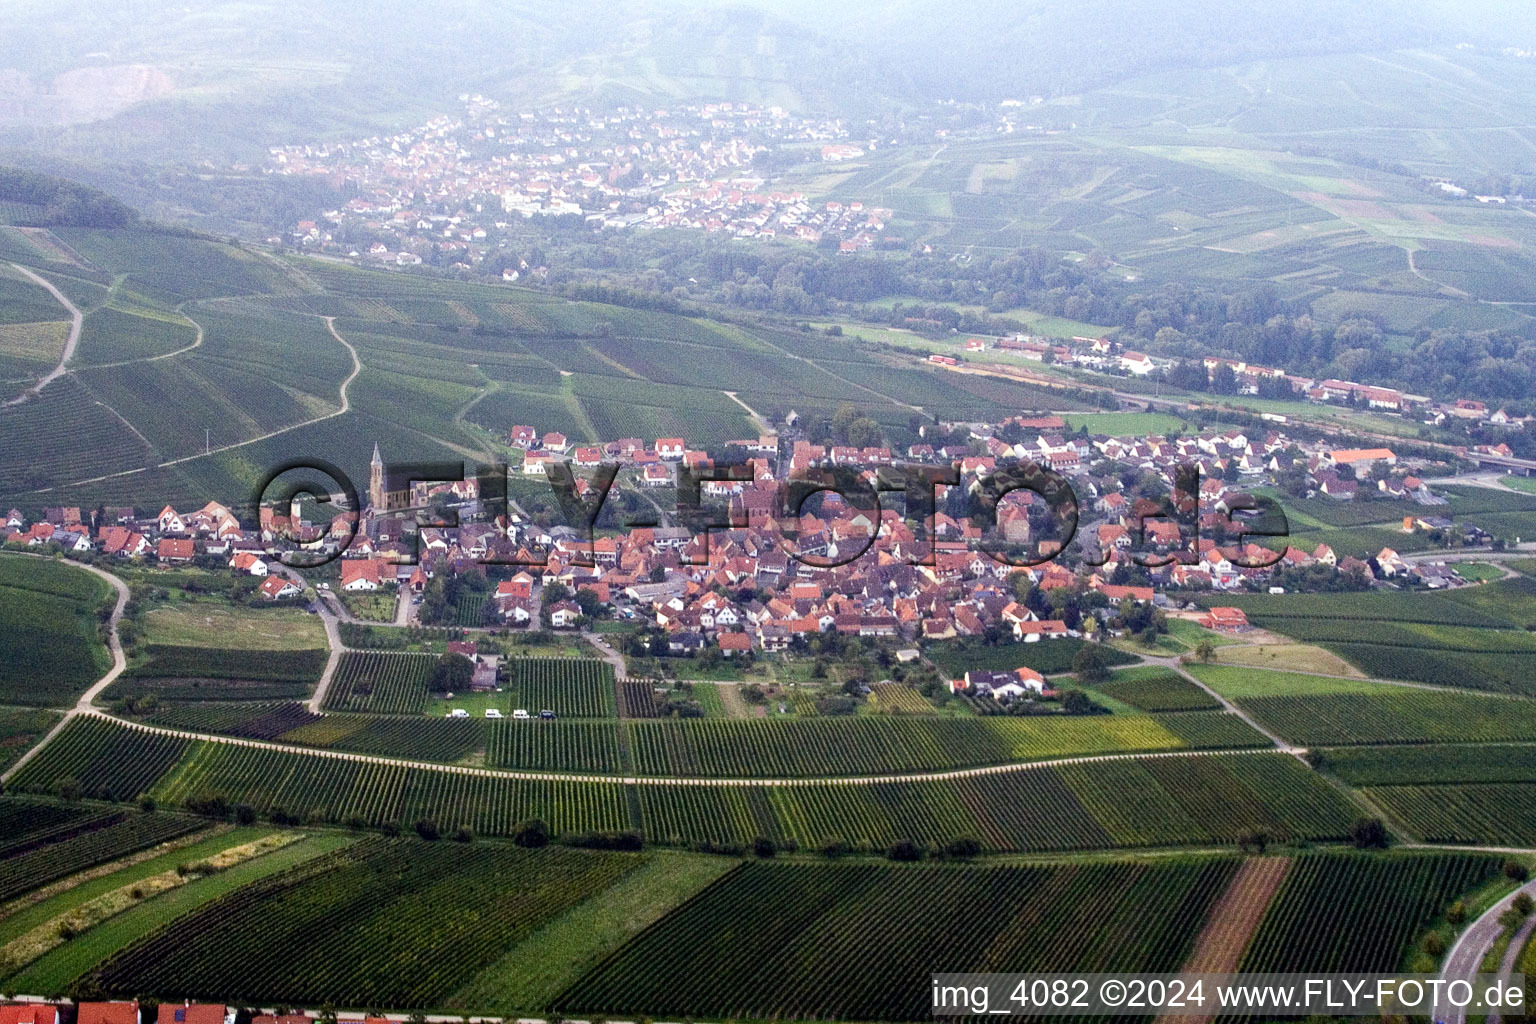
{"points": [[764, 847], [1205, 651], [1368, 834], [1091, 664], [1516, 871], [905, 850], [531, 833], [453, 672], [427, 829], [1253, 840]]}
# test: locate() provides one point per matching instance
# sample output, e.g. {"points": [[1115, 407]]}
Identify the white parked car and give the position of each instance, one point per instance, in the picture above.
{"points": [[492, 713], [520, 713], [458, 713]]}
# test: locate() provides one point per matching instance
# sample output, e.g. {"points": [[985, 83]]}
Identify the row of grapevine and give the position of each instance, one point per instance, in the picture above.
{"points": [[385, 683], [570, 687], [130, 833], [1178, 800], [1401, 716], [878, 745], [1352, 913], [402, 924], [103, 759], [775, 940], [558, 746]]}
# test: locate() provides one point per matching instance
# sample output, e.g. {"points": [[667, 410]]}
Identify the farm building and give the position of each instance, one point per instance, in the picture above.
{"points": [[1225, 619]]}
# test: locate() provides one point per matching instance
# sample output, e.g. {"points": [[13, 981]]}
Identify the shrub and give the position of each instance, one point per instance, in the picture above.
{"points": [[427, 829]]}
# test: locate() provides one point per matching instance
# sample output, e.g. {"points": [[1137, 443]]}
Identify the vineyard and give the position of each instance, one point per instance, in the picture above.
{"points": [[1401, 716], [870, 745], [374, 681], [105, 760], [1388, 766], [19, 729], [401, 923], [187, 673], [554, 746], [1157, 690], [84, 844], [1497, 814], [1181, 800], [775, 941], [570, 687], [1348, 913], [50, 650], [637, 699]]}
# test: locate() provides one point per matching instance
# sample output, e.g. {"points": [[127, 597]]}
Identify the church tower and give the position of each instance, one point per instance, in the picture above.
{"points": [[376, 499]]}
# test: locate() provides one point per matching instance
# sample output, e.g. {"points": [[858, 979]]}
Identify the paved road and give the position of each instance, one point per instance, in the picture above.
{"points": [[1466, 957], [76, 321], [87, 699]]}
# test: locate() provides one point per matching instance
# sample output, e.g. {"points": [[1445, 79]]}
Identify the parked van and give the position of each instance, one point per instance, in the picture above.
{"points": [[546, 714], [520, 713], [492, 713], [458, 713]]}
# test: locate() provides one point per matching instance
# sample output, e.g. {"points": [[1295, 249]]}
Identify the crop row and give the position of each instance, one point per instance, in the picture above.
{"points": [[1405, 716], [130, 833], [1178, 800], [386, 683], [1441, 763], [402, 924], [1359, 914], [775, 941], [102, 759]]}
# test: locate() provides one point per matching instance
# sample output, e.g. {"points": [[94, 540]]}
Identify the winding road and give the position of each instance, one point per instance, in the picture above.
{"points": [[76, 322], [1472, 946]]}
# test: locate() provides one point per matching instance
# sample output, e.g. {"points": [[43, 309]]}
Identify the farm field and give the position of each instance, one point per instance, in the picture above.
{"points": [[1493, 813], [50, 648], [381, 682], [20, 728], [405, 894], [217, 624], [1049, 657], [175, 672], [84, 844], [715, 955], [68, 963], [570, 687], [1389, 897], [1185, 799], [1154, 690], [1471, 638], [1324, 711]]}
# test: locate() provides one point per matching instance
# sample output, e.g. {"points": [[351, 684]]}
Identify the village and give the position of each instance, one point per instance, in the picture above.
{"points": [[447, 190], [757, 584]]}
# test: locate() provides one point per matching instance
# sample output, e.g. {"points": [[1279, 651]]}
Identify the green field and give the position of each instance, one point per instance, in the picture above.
{"points": [[50, 647], [1183, 799]]}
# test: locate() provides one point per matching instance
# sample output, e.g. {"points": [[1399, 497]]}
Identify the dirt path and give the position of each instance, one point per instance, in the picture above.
{"points": [[76, 322], [87, 699], [735, 704], [1236, 917]]}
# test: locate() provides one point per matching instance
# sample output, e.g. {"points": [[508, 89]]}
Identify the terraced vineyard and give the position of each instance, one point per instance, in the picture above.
{"points": [[1347, 912], [570, 687], [385, 683], [773, 941], [394, 919]]}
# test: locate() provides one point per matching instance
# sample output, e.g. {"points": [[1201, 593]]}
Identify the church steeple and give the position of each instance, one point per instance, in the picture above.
{"points": [[376, 481]]}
